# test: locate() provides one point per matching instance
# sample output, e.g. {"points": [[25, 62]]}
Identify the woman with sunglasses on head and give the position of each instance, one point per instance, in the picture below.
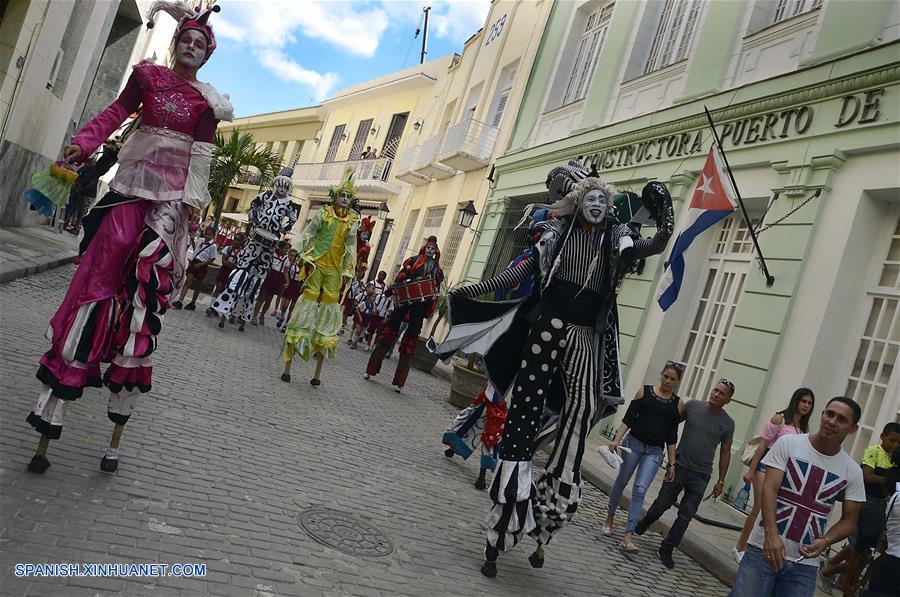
{"points": [[651, 422], [793, 420]]}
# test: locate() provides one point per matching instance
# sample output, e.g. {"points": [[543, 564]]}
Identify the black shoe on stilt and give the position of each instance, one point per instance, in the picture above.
{"points": [[38, 464], [241, 327], [109, 465], [221, 323], [489, 567], [480, 482], [449, 452], [537, 558], [315, 382], [286, 377]]}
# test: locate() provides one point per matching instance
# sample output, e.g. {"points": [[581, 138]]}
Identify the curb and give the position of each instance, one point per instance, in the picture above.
{"points": [[20, 269], [713, 562]]}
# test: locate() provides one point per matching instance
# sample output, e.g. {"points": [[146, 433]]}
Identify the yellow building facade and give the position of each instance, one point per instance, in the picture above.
{"points": [[449, 160]]}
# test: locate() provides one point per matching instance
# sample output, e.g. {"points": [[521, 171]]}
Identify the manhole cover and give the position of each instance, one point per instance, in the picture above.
{"points": [[345, 533]]}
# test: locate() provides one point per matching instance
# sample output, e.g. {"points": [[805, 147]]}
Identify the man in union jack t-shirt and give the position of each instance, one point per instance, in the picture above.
{"points": [[804, 475]]}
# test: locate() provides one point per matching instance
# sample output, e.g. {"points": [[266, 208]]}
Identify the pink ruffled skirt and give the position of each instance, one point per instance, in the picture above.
{"points": [[112, 312]]}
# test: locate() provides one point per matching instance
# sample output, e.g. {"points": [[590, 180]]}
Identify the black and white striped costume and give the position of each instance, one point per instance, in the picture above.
{"points": [[570, 348], [267, 213]]}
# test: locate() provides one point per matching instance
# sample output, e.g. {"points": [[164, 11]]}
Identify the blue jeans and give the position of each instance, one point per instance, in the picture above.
{"points": [[756, 578], [646, 460]]}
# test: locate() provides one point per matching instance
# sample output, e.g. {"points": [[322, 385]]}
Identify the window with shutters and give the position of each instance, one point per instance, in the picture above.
{"points": [[873, 364], [403, 247], [501, 96], [359, 142], [434, 218], [595, 28], [674, 34], [786, 9], [335, 142], [450, 249], [720, 291]]}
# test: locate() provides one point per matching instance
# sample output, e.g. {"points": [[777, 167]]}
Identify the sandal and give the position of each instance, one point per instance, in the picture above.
{"points": [[605, 531], [628, 547]]}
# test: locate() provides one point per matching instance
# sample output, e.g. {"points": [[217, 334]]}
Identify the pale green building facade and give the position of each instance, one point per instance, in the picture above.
{"points": [[806, 95]]}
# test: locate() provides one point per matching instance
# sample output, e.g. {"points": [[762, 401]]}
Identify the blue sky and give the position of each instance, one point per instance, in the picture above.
{"points": [[280, 54]]}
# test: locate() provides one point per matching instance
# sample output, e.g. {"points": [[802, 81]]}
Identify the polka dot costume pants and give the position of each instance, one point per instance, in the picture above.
{"points": [[521, 507]]}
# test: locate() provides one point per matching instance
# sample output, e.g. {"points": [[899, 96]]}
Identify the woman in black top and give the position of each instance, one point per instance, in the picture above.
{"points": [[653, 420]]}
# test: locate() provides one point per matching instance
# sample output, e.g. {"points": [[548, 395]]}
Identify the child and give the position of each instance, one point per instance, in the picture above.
{"points": [[274, 284], [204, 254], [292, 292], [229, 262], [356, 287], [365, 307], [383, 307]]}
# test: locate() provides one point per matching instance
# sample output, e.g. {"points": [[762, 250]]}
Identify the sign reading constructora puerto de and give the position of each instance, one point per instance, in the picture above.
{"points": [[861, 108]]}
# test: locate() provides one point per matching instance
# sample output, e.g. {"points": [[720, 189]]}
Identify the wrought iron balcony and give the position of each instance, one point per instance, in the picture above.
{"points": [[428, 165], [406, 163], [468, 145], [371, 177]]}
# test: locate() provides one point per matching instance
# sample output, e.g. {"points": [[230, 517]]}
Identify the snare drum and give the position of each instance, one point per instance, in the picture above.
{"points": [[416, 291], [264, 237]]}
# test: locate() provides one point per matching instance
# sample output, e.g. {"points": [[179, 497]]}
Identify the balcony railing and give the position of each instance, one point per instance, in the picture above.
{"points": [[406, 164], [428, 164], [370, 176], [468, 145]]}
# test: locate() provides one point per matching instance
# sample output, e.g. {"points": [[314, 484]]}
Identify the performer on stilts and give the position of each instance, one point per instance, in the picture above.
{"points": [[327, 247], [133, 255], [415, 292], [566, 336], [271, 215]]}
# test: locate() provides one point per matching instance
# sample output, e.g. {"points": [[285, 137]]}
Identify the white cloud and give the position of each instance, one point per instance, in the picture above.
{"points": [[267, 27], [287, 69], [460, 19]]}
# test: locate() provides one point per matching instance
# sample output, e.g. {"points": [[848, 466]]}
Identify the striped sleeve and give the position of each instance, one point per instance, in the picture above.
{"points": [[506, 279]]}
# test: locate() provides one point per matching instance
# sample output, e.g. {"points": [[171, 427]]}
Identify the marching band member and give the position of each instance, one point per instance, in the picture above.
{"points": [[415, 292]]}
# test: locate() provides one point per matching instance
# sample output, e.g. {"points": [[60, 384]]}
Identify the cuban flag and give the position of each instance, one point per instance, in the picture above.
{"points": [[713, 200]]}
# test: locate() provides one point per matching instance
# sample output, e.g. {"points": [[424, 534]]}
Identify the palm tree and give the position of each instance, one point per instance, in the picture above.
{"points": [[232, 155]]}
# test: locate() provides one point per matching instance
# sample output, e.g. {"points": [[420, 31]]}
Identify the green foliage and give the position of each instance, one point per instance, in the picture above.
{"points": [[232, 156]]}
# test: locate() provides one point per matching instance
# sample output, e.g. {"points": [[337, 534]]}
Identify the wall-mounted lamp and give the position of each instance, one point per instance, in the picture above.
{"points": [[344, 136], [467, 213], [418, 123], [374, 130], [318, 138], [383, 210]]}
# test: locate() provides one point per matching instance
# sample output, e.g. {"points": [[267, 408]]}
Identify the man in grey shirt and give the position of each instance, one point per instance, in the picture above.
{"points": [[706, 426]]}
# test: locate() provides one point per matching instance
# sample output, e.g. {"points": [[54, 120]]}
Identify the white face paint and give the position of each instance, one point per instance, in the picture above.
{"points": [[594, 206], [343, 199], [430, 251], [191, 49]]}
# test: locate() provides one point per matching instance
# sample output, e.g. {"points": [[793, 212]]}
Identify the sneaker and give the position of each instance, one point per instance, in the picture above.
{"points": [[177, 305], [737, 555], [826, 583], [665, 556]]}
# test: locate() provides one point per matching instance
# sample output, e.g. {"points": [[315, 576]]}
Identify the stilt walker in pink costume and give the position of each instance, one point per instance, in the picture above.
{"points": [[133, 256]]}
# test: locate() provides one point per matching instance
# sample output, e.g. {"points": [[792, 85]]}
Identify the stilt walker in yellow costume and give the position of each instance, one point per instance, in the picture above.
{"points": [[327, 249]]}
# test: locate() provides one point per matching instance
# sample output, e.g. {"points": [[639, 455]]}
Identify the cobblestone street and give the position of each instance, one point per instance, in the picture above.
{"points": [[222, 458]]}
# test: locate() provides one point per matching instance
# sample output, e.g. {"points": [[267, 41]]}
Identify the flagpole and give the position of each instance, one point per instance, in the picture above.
{"points": [[770, 279]]}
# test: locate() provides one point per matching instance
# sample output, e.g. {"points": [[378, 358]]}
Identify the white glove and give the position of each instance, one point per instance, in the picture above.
{"points": [[196, 187]]}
